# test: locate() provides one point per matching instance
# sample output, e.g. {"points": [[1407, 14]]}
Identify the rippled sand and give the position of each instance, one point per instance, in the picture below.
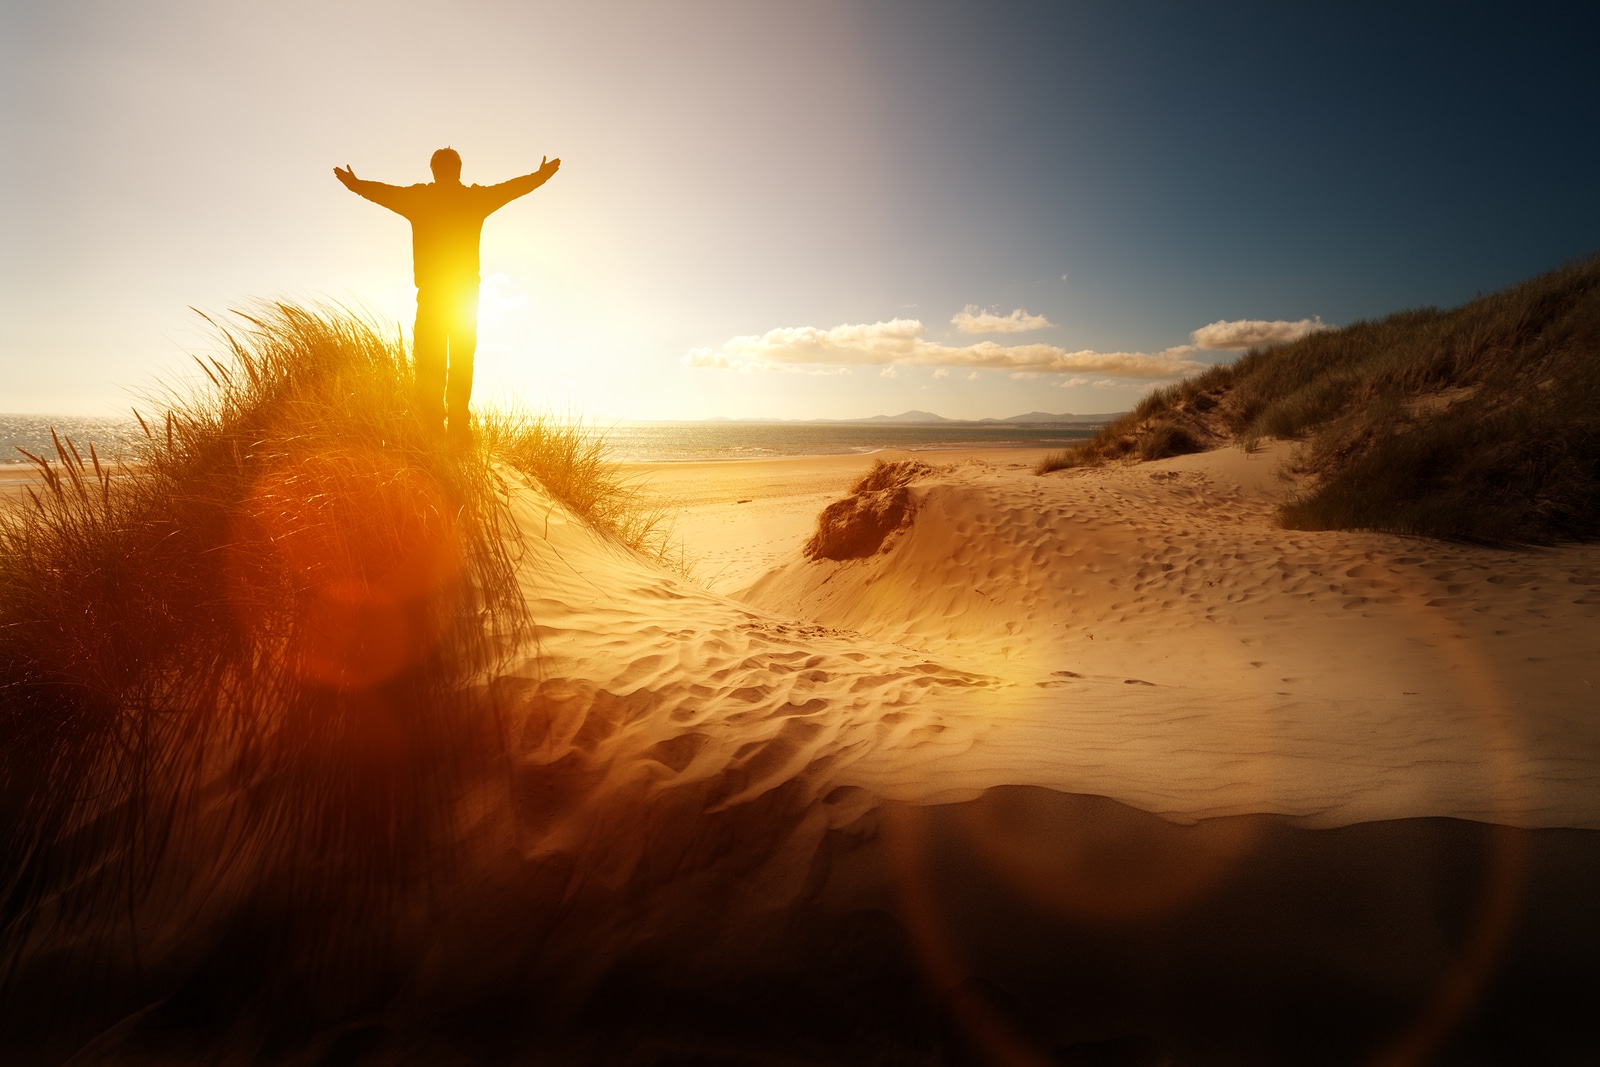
{"points": [[1095, 767]]}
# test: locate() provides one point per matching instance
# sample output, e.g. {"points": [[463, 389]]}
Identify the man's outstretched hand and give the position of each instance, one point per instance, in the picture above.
{"points": [[347, 175], [547, 167]]}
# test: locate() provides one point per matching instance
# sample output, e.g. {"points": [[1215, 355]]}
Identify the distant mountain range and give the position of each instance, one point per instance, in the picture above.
{"points": [[928, 418]]}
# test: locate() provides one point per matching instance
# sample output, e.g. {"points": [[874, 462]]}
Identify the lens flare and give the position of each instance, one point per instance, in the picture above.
{"points": [[370, 548]]}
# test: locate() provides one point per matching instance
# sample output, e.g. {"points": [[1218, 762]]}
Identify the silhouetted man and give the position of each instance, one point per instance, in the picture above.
{"points": [[446, 222]]}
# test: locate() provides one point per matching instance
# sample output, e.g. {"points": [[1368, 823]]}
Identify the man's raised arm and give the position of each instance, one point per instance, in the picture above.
{"points": [[501, 195], [390, 196]]}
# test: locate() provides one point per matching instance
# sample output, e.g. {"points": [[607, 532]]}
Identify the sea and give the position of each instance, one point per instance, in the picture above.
{"points": [[629, 442], [688, 442], [111, 437]]}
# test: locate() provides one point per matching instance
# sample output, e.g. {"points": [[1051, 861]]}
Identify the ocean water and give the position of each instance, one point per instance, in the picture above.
{"points": [[674, 442], [711, 441], [111, 436]]}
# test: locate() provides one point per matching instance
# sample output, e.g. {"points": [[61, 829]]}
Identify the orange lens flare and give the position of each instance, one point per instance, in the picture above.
{"points": [[365, 549], [1105, 863]]}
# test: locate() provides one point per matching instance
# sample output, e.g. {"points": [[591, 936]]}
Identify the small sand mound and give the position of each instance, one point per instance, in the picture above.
{"points": [[859, 525]]}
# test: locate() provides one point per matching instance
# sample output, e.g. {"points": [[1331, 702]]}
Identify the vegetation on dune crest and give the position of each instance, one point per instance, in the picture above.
{"points": [[246, 657], [878, 507], [1480, 423], [569, 460]]}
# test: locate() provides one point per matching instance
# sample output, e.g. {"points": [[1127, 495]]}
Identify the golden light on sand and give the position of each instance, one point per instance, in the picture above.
{"points": [[1260, 671], [1105, 763]]}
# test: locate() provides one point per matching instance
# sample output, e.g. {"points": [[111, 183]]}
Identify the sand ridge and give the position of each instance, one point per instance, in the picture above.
{"points": [[1146, 633], [1052, 723], [1168, 645], [654, 685], [737, 519]]}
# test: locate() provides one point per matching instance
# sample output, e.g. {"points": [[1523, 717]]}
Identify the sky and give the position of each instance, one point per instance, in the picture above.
{"points": [[798, 210]]}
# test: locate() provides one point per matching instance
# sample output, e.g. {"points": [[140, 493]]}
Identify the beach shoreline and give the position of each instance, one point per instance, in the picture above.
{"points": [[737, 518]]}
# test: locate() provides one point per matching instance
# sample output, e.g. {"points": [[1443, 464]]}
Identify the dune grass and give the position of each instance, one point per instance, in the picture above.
{"points": [[246, 656], [1167, 422], [879, 505], [1480, 423], [570, 460]]}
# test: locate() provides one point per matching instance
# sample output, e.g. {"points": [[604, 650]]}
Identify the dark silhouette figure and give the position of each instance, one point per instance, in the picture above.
{"points": [[446, 223]]}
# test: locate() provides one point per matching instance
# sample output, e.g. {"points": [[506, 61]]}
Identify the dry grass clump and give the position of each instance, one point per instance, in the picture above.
{"points": [[236, 674], [569, 460], [878, 506], [1479, 423], [1173, 421]]}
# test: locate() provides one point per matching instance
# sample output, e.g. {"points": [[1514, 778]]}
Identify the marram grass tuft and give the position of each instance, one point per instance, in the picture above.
{"points": [[236, 673], [1481, 423]]}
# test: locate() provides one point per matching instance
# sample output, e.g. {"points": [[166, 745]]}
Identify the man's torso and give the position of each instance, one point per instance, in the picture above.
{"points": [[446, 225]]}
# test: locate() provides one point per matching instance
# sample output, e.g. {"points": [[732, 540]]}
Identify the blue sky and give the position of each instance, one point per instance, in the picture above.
{"points": [[778, 210]]}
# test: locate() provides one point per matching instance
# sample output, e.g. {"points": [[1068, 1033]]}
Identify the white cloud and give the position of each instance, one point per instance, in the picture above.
{"points": [[901, 341], [974, 319], [942, 372], [891, 371], [1024, 375], [973, 376], [1223, 335], [1107, 383], [1072, 383], [704, 357]]}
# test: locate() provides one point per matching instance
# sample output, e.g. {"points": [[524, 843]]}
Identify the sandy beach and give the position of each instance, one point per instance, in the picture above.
{"points": [[14, 480], [1360, 767], [1149, 634], [1145, 632], [739, 518], [1088, 766], [799, 535]]}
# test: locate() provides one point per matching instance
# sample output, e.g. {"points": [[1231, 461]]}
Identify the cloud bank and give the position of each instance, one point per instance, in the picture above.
{"points": [[1223, 335], [902, 341], [974, 319]]}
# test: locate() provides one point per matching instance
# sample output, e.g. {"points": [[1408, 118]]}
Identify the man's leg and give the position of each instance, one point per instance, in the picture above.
{"points": [[463, 346], [429, 339]]}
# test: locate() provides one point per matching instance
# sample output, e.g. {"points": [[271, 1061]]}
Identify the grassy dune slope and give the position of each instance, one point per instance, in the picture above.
{"points": [[285, 592], [1480, 423]]}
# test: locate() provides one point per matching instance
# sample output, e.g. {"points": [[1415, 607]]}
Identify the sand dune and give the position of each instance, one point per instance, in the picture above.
{"points": [[739, 519], [1096, 767], [1156, 638], [929, 733]]}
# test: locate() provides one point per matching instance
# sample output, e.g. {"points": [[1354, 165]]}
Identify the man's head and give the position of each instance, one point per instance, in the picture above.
{"points": [[446, 165]]}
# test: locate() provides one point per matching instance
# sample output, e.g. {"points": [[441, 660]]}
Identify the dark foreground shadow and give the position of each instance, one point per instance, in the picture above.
{"points": [[1024, 927]]}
